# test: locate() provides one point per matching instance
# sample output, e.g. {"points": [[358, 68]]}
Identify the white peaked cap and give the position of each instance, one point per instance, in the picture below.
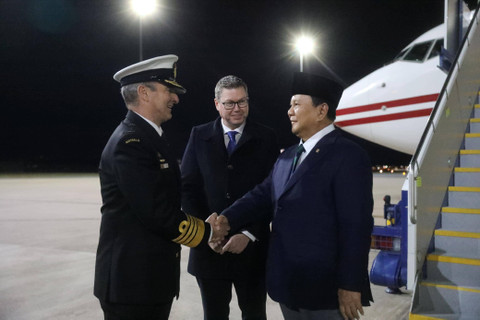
{"points": [[162, 69]]}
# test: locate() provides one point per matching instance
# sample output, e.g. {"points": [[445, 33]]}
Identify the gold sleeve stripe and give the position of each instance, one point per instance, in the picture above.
{"points": [[191, 232]]}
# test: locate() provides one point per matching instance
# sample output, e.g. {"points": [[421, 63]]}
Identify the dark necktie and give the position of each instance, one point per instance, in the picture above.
{"points": [[298, 154], [232, 143]]}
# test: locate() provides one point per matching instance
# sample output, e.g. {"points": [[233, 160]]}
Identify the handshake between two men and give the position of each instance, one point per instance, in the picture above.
{"points": [[219, 241]]}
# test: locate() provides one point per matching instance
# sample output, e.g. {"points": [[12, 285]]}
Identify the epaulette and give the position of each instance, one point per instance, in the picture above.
{"points": [[191, 232]]}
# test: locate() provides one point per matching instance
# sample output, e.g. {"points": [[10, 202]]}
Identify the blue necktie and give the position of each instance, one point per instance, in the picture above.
{"points": [[232, 143], [298, 154]]}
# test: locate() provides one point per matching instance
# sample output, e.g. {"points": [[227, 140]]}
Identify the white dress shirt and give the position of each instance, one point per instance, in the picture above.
{"points": [[312, 141], [227, 129], [157, 128]]}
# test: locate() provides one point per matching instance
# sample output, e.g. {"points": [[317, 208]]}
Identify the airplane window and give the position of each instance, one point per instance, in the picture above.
{"points": [[418, 52], [436, 49], [400, 55]]}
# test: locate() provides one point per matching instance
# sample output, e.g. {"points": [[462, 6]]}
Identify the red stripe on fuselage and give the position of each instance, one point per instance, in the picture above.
{"points": [[388, 117], [389, 104]]}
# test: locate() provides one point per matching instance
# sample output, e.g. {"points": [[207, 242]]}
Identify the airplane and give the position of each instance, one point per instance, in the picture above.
{"points": [[391, 105]]}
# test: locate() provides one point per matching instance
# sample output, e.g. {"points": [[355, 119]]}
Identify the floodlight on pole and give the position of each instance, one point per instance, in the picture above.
{"points": [[142, 8], [304, 46]]}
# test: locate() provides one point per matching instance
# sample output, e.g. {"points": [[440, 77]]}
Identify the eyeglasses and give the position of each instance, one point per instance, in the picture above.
{"points": [[229, 105]]}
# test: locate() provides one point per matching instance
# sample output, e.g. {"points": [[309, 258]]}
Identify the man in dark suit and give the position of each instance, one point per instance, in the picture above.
{"points": [[223, 160], [320, 193], [137, 269]]}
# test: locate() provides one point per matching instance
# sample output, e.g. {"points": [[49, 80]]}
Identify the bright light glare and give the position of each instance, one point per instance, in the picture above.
{"points": [[143, 7], [304, 45]]}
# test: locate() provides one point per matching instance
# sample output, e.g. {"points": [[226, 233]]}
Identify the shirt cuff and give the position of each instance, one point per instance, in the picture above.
{"points": [[249, 235], [211, 229]]}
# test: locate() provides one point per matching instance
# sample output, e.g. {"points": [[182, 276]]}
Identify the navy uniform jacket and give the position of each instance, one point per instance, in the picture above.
{"points": [[138, 255], [212, 181], [321, 224]]}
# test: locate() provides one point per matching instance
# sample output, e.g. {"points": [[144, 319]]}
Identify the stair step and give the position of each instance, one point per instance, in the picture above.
{"points": [[475, 125], [452, 288], [436, 316], [467, 177], [465, 197], [457, 243], [445, 300], [463, 271], [470, 158], [461, 219], [472, 141]]}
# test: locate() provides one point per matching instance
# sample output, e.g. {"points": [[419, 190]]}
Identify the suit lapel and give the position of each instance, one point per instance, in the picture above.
{"points": [[247, 135], [160, 143], [282, 171], [216, 140], [312, 160], [216, 137]]}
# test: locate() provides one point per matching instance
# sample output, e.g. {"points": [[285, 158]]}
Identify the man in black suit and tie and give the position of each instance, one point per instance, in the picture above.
{"points": [[137, 269], [223, 160], [320, 193]]}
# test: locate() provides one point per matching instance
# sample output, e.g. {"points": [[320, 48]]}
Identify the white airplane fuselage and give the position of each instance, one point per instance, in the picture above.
{"points": [[391, 105]]}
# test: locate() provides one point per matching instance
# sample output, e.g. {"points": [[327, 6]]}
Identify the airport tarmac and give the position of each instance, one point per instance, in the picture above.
{"points": [[48, 236]]}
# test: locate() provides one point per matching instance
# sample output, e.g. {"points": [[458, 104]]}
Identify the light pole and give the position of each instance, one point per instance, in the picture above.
{"points": [[142, 8], [304, 46]]}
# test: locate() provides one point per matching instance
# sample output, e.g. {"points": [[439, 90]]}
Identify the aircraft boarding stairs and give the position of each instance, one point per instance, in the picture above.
{"points": [[444, 196], [432, 243], [450, 288]]}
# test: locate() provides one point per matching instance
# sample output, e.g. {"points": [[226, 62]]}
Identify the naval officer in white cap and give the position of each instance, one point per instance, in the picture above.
{"points": [[137, 270]]}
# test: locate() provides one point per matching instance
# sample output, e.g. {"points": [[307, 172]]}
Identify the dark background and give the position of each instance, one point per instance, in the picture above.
{"points": [[59, 103]]}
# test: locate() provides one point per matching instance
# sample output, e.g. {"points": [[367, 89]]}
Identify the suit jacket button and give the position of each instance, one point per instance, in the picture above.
{"points": [[230, 167], [228, 195]]}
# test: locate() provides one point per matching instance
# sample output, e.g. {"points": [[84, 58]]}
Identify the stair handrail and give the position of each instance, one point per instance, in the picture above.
{"points": [[432, 164], [422, 147]]}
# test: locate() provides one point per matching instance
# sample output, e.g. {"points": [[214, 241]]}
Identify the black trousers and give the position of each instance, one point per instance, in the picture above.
{"points": [[217, 294], [304, 314], [113, 311]]}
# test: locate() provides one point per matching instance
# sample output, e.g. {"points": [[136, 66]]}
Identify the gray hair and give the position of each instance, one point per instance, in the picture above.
{"points": [[229, 82], [130, 95]]}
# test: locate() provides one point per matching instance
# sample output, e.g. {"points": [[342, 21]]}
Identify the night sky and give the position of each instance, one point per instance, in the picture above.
{"points": [[60, 104]]}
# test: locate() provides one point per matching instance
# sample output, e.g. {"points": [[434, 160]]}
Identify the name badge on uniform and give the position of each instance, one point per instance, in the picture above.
{"points": [[163, 161]]}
